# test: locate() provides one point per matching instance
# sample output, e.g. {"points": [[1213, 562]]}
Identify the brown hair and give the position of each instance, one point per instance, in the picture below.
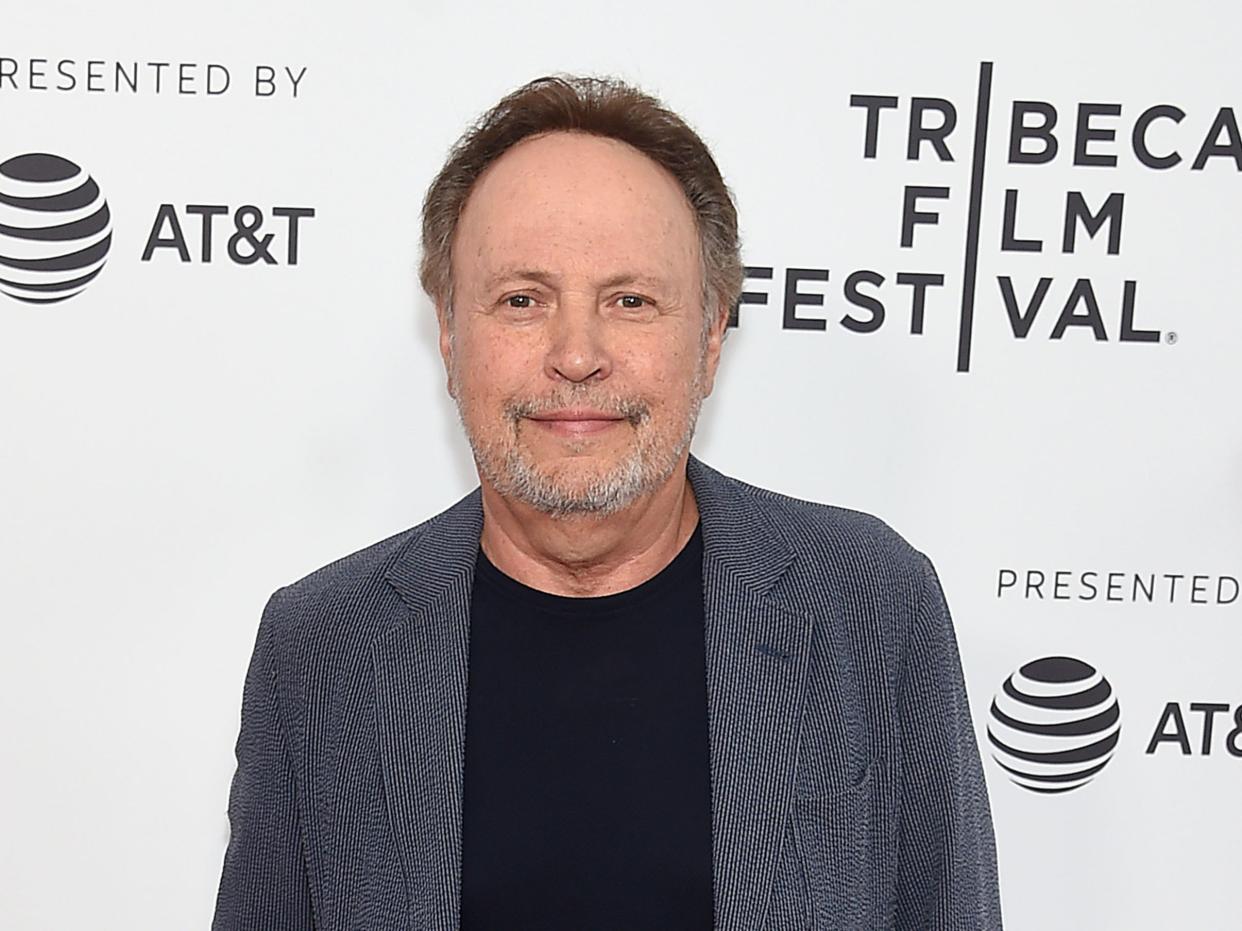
{"points": [[604, 107]]}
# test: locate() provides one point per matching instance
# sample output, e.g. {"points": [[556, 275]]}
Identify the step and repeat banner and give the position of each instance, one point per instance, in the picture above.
{"points": [[991, 296]]}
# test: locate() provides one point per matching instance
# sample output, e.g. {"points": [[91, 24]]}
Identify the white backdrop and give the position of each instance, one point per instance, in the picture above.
{"points": [[182, 437]]}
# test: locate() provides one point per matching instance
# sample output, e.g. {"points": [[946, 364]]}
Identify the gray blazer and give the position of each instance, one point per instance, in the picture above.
{"points": [[847, 791]]}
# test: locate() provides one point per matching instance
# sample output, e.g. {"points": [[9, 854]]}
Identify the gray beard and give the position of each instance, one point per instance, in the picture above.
{"points": [[644, 469]]}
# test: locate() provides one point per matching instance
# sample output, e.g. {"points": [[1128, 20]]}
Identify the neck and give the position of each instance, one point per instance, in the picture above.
{"points": [[586, 555]]}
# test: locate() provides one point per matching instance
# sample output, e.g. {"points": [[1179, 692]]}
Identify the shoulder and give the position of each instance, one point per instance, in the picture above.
{"points": [[339, 607], [846, 567], [352, 573], [831, 536], [351, 594]]}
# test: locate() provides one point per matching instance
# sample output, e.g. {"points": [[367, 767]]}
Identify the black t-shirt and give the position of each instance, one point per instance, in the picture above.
{"points": [[587, 786]]}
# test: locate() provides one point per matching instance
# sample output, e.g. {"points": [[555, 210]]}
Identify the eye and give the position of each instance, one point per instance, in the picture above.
{"points": [[520, 301], [633, 301]]}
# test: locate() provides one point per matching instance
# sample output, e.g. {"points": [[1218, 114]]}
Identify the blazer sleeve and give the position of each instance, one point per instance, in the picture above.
{"points": [[264, 882], [946, 872]]}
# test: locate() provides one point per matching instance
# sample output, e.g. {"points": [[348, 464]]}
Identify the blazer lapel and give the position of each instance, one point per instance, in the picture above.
{"points": [[420, 676], [757, 653]]}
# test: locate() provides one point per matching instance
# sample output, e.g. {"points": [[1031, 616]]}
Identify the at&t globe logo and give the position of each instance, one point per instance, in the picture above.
{"points": [[1054, 724], [55, 228]]}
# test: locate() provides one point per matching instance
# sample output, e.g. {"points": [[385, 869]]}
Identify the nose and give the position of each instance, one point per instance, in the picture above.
{"points": [[576, 347]]}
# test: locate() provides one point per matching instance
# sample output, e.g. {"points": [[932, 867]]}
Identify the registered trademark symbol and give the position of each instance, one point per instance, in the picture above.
{"points": [[1170, 338]]}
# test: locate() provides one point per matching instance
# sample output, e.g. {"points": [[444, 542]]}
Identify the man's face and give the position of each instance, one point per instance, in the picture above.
{"points": [[576, 347]]}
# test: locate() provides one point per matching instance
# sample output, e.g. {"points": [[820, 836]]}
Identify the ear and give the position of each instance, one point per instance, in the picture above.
{"points": [[444, 323], [715, 340]]}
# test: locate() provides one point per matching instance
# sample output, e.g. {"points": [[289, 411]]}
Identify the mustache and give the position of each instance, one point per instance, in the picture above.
{"points": [[629, 407]]}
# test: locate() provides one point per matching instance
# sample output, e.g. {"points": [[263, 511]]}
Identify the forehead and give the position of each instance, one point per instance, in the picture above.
{"points": [[573, 201]]}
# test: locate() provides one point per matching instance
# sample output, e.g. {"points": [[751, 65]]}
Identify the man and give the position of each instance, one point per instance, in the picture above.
{"points": [[611, 688]]}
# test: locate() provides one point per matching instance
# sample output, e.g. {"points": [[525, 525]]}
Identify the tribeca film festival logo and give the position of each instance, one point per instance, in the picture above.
{"points": [[1037, 135], [56, 233], [1054, 724], [55, 228]]}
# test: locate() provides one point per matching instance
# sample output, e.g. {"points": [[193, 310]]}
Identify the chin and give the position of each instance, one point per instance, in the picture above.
{"points": [[576, 470]]}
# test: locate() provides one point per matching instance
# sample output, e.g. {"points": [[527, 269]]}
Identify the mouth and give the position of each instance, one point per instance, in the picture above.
{"points": [[577, 422]]}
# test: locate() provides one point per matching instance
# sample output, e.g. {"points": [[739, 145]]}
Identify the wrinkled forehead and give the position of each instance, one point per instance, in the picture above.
{"points": [[576, 203]]}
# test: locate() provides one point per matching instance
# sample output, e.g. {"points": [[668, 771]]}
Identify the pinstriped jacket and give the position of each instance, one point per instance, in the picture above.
{"points": [[847, 790]]}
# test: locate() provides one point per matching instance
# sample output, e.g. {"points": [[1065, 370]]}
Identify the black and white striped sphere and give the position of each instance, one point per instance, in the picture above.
{"points": [[55, 228], [1054, 724]]}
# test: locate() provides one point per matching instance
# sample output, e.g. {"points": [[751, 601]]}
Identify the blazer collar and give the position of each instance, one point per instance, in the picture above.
{"points": [[735, 535], [756, 646]]}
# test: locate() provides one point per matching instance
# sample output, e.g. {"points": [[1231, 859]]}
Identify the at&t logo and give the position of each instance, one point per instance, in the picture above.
{"points": [[55, 228], [1054, 724]]}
